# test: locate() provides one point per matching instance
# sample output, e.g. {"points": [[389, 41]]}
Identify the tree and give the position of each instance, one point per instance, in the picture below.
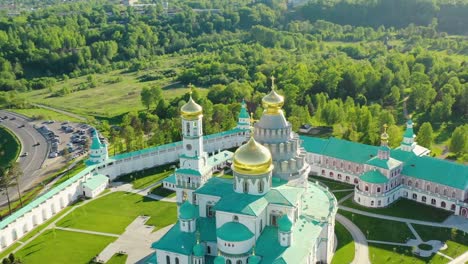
{"points": [[5, 183], [145, 95], [459, 140], [16, 173], [425, 135]]}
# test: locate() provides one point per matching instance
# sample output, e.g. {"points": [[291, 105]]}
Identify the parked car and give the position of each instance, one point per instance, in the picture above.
{"points": [[25, 154]]}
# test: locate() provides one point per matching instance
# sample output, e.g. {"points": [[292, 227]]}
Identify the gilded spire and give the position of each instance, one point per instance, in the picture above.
{"points": [[384, 137], [272, 102], [191, 110]]}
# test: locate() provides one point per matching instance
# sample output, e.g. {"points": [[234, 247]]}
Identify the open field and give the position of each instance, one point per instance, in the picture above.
{"points": [[112, 213], [9, 146], [45, 114], [344, 253], [64, 246], [405, 208], [380, 229]]}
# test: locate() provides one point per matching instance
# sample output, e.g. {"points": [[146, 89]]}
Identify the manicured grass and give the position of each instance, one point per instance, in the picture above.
{"points": [[161, 191], [389, 254], [456, 240], [332, 185], [112, 213], [345, 250], [9, 146], [45, 114], [7, 252], [407, 209], [340, 195], [380, 229], [58, 246], [72, 172], [27, 197], [145, 178], [117, 259]]}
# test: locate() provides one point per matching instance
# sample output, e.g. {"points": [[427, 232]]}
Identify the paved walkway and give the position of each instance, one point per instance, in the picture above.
{"points": [[462, 259], [345, 198], [135, 241], [127, 187], [60, 111], [416, 235], [86, 231], [361, 251]]}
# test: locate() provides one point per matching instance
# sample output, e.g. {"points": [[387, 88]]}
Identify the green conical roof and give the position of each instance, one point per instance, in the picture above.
{"points": [[199, 250], [219, 260], [96, 144], [284, 224], [243, 112], [187, 211]]}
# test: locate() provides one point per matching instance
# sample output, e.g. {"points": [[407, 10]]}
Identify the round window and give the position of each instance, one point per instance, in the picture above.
{"points": [[188, 146]]}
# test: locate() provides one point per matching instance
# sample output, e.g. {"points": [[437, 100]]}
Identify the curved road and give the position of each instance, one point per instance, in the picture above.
{"points": [[28, 136], [361, 251]]}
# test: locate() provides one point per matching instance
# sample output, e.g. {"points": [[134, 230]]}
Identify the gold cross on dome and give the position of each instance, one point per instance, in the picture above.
{"points": [[385, 128], [252, 121], [272, 82], [190, 86]]}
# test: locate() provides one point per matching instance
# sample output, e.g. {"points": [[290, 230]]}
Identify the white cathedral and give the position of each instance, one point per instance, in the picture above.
{"points": [[268, 213]]}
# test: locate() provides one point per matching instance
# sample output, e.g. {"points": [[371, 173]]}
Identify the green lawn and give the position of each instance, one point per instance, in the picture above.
{"points": [[380, 229], [45, 114], [117, 259], [9, 146], [345, 250], [72, 172], [112, 213], [340, 195], [407, 209], [332, 185], [64, 246], [456, 240], [161, 191], [145, 178], [389, 254]]}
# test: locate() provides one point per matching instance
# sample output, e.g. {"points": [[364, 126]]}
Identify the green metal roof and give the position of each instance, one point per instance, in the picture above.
{"points": [[436, 170], [207, 228], [96, 144], [284, 224], [243, 112], [96, 181], [234, 231], [253, 259], [219, 158], [409, 133], [313, 144], [374, 176], [188, 171], [170, 179], [341, 149], [188, 211], [176, 241], [402, 155], [385, 164], [199, 250]]}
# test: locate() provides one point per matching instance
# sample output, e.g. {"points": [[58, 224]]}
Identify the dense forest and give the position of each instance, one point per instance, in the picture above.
{"points": [[350, 65]]}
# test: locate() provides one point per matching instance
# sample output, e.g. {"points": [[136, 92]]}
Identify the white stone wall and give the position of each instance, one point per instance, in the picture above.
{"points": [[163, 257]]}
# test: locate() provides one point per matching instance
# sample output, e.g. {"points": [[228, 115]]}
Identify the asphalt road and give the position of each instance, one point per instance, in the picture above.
{"points": [[28, 136]]}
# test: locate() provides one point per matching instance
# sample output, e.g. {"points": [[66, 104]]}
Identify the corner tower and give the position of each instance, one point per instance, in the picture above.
{"points": [[98, 151], [408, 143]]}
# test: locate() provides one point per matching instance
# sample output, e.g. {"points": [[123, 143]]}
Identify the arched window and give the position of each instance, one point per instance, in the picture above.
{"points": [[228, 261], [356, 181], [366, 188], [410, 183], [428, 187], [235, 218], [372, 203], [339, 176], [246, 186], [168, 260], [415, 196], [331, 174], [445, 192], [323, 172], [260, 186], [208, 250], [442, 204], [239, 262], [453, 194], [416, 185], [452, 207], [176, 260], [433, 201], [379, 203], [436, 189], [378, 190], [423, 199]]}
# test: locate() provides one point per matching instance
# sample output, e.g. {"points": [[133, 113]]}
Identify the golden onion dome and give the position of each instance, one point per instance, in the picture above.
{"points": [[384, 136], [191, 110], [272, 102], [252, 159]]}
